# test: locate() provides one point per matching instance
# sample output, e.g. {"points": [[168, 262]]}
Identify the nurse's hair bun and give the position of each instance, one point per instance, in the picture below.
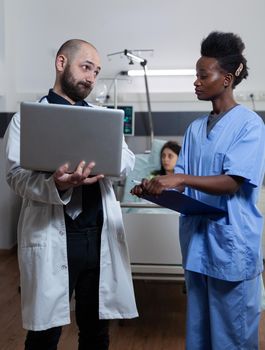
{"points": [[228, 49]]}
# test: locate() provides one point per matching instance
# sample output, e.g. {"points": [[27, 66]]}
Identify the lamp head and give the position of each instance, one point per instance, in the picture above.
{"points": [[133, 58]]}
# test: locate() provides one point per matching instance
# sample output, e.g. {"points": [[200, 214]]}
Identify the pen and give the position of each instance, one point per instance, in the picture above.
{"points": [[136, 182]]}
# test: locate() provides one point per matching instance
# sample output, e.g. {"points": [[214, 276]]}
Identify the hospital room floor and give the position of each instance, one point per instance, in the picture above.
{"points": [[160, 326]]}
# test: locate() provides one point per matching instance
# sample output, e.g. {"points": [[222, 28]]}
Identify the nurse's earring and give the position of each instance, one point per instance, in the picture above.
{"points": [[239, 70]]}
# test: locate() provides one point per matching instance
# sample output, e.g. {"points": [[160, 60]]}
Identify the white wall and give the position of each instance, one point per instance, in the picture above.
{"points": [[33, 32]]}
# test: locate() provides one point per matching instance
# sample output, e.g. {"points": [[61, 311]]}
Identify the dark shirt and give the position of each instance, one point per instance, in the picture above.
{"points": [[214, 119], [92, 212]]}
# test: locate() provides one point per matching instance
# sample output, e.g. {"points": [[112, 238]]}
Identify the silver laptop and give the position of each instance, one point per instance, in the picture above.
{"points": [[52, 135]]}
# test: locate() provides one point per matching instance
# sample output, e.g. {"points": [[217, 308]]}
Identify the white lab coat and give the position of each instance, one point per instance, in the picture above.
{"points": [[42, 249]]}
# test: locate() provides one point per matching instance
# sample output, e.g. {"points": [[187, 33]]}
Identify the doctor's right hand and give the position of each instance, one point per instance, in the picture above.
{"points": [[65, 180]]}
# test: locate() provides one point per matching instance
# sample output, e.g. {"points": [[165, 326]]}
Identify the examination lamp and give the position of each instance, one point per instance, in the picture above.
{"points": [[133, 58]]}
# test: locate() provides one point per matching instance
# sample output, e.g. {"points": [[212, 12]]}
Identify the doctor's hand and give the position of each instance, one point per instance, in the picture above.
{"points": [[65, 180]]}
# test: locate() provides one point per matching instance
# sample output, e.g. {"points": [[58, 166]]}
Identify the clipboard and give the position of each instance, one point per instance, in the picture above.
{"points": [[175, 200]]}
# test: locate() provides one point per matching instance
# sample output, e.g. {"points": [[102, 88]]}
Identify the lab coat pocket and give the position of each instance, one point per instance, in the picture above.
{"points": [[219, 244], [34, 227], [118, 221]]}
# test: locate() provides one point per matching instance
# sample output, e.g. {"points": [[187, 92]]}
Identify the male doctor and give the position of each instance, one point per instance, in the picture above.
{"points": [[59, 250]]}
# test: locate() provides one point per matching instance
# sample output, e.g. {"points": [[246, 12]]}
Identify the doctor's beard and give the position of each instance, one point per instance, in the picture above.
{"points": [[75, 90]]}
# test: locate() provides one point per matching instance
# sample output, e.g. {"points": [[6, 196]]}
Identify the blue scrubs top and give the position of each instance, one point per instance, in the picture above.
{"points": [[227, 247]]}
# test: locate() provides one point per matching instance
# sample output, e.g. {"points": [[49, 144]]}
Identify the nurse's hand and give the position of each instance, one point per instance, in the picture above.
{"points": [[139, 190], [65, 180], [160, 183]]}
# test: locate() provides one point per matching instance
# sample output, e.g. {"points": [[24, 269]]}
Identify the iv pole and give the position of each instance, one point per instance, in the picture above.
{"points": [[150, 119], [143, 62]]}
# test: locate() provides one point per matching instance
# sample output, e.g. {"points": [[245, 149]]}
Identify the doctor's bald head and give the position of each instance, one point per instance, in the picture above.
{"points": [[77, 67], [71, 47]]}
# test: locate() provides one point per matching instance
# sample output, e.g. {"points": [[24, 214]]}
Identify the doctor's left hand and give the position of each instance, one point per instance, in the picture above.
{"points": [[65, 180]]}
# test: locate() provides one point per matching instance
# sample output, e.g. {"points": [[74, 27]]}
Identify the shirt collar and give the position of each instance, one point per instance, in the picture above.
{"points": [[52, 97]]}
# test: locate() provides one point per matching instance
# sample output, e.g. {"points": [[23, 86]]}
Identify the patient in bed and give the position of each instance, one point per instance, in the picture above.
{"points": [[168, 158], [161, 159], [145, 164]]}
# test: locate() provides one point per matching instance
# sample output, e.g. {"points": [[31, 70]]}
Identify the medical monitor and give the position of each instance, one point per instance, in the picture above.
{"points": [[128, 124]]}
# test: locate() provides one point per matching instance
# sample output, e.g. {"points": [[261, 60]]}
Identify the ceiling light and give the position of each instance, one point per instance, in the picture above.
{"points": [[160, 72]]}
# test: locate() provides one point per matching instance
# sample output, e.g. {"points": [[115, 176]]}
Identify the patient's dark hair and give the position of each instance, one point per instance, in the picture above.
{"points": [[227, 48], [175, 147]]}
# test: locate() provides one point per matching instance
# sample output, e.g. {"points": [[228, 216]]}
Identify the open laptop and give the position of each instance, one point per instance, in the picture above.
{"points": [[52, 135]]}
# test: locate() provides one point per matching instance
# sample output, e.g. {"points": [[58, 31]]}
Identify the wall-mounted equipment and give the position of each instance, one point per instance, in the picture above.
{"points": [[128, 126]]}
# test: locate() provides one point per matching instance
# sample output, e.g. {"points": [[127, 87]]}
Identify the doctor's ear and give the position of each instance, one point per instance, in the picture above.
{"points": [[228, 79], [60, 62]]}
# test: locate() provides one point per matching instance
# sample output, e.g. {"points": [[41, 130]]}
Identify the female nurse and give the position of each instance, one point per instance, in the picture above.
{"points": [[221, 163]]}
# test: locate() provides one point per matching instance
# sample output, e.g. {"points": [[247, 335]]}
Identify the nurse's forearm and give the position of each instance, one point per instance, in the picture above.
{"points": [[220, 184]]}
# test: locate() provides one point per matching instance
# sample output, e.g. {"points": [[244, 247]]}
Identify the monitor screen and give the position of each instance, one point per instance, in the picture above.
{"points": [[128, 125]]}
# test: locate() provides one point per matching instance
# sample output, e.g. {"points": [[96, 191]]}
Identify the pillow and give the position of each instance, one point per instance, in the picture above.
{"points": [[155, 153], [144, 165], [140, 171]]}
